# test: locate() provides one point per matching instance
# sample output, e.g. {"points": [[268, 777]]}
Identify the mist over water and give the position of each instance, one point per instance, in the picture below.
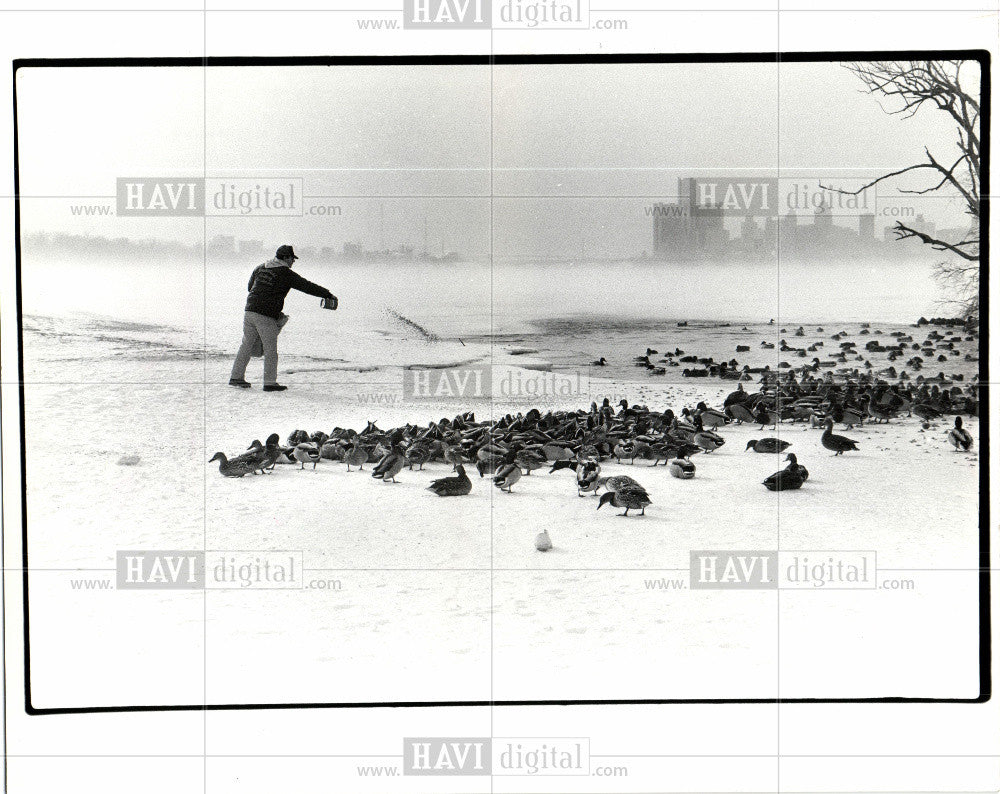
{"points": [[428, 314]]}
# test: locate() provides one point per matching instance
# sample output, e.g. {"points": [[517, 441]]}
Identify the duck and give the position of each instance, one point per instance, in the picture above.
{"points": [[530, 459], [237, 467], [587, 476], [391, 464], [356, 455], [508, 474], [272, 451], [770, 445], [306, 452], [542, 541], [332, 450], [453, 455], [839, 444], [459, 485], [959, 436], [784, 480], [795, 467], [255, 454], [417, 454], [624, 449], [681, 469], [601, 362], [630, 498], [706, 439], [740, 413], [710, 417], [765, 417]]}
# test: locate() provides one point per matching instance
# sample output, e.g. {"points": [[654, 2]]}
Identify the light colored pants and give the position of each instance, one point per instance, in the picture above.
{"points": [[266, 329]]}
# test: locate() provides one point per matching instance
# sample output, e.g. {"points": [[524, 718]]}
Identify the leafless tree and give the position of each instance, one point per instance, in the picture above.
{"points": [[903, 88]]}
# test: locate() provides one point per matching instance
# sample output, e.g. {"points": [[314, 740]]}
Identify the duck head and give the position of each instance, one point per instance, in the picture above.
{"points": [[460, 470], [255, 444], [790, 457], [217, 456], [606, 497], [272, 440], [751, 444]]}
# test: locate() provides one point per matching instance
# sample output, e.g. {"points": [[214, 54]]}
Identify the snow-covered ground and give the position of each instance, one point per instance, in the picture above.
{"points": [[429, 599]]}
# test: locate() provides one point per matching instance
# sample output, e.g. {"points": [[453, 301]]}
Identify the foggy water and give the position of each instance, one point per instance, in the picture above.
{"points": [[564, 312]]}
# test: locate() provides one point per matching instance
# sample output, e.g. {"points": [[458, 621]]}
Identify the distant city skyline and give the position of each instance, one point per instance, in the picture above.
{"points": [[572, 168]]}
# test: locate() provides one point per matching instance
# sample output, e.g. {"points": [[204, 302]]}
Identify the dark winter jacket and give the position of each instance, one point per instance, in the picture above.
{"points": [[270, 283]]}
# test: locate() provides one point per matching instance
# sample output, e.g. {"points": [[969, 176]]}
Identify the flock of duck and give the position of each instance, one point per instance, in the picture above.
{"points": [[514, 446], [846, 361]]}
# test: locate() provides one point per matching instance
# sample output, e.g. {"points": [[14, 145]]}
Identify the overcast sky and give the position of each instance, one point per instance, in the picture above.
{"points": [[618, 135]]}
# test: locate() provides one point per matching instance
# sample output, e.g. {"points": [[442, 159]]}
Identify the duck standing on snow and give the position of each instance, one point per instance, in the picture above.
{"points": [[614, 483], [508, 474], [681, 469], [631, 498], [839, 444], [542, 541], [959, 436], [453, 486], [772, 445], [237, 467], [706, 439], [272, 451], [356, 455], [587, 476], [391, 464], [710, 417], [306, 452]]}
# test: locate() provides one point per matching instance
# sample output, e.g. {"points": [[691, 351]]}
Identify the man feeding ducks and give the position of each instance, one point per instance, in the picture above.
{"points": [[263, 319]]}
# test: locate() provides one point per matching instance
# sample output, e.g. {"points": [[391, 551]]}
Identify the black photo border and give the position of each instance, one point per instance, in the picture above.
{"points": [[980, 56]]}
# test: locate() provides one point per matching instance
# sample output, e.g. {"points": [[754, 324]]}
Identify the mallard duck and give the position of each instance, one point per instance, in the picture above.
{"points": [[926, 412], [586, 477], [556, 451], [529, 459], [631, 498], [390, 465], [507, 474], [237, 467], [711, 418], [795, 467], [418, 454], [852, 416], [297, 437], [460, 485], [740, 413], [255, 455], [356, 455], [601, 362], [453, 455], [332, 450], [706, 439], [763, 416], [770, 445], [624, 449], [614, 483], [838, 444], [784, 480], [272, 451], [681, 469], [959, 436], [542, 541], [306, 452]]}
